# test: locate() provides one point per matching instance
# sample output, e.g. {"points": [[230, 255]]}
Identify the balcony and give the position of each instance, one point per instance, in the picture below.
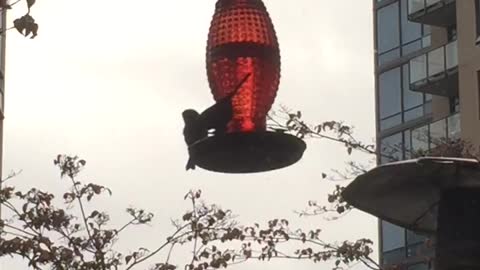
{"points": [[436, 72], [430, 136], [433, 12]]}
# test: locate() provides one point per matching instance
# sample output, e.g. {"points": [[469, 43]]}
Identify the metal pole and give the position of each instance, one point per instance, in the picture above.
{"points": [[458, 244]]}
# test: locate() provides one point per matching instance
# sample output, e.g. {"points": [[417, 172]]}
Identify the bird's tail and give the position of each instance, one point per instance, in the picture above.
{"points": [[190, 164]]}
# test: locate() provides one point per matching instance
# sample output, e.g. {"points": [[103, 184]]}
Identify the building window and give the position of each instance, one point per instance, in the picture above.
{"points": [[452, 33], [391, 148], [393, 236], [390, 96], [453, 126], [415, 244], [393, 243], [1, 104], [420, 139], [438, 133], [477, 19], [478, 93], [397, 102], [396, 35], [420, 266], [429, 136], [412, 101], [454, 104], [388, 28], [410, 31]]}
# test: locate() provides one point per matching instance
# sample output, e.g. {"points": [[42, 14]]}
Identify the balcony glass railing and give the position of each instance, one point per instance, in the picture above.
{"points": [[453, 126], [434, 64], [428, 136], [417, 5]]}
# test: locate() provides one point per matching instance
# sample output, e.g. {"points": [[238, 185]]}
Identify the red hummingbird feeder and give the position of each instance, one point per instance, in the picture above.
{"points": [[242, 43]]}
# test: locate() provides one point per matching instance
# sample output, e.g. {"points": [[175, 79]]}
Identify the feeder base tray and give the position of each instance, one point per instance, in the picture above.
{"points": [[247, 152]]}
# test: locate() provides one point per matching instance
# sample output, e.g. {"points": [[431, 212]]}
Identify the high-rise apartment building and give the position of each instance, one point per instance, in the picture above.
{"points": [[427, 72], [3, 24]]}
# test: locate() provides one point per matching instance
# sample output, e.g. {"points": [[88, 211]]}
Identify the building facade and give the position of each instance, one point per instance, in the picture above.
{"points": [[427, 89], [3, 24]]}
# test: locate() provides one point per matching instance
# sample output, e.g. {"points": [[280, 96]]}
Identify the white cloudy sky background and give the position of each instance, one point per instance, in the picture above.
{"points": [[107, 80]]}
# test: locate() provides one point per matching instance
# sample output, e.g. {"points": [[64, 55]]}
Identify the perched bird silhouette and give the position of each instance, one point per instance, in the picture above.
{"points": [[192, 132], [215, 117]]}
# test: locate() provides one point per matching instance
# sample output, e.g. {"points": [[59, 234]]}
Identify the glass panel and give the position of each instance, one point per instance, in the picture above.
{"points": [[412, 47], [477, 17], [394, 257], [388, 28], [426, 41], [454, 104], [391, 148], [1, 102], [420, 266], [427, 29], [414, 238], [408, 144], [410, 98], [390, 92], [410, 31], [432, 2], [420, 139], [393, 236], [451, 54], [452, 33], [415, 5], [436, 62], [415, 250], [388, 56], [427, 107], [391, 122], [454, 126], [418, 68], [413, 114], [438, 132]]}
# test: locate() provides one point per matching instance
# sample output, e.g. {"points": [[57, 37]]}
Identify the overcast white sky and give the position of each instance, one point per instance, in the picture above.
{"points": [[108, 80]]}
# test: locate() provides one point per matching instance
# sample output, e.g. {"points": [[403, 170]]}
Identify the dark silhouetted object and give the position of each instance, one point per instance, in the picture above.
{"points": [[214, 118], [439, 197], [192, 132]]}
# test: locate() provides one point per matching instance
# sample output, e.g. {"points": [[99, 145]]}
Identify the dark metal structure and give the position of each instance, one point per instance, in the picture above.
{"points": [[437, 196]]}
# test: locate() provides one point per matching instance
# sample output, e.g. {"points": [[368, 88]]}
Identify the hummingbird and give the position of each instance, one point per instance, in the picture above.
{"points": [[215, 117]]}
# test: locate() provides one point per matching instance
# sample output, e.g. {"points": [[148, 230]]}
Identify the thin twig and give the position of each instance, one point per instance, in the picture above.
{"points": [[66, 235], [169, 253], [84, 216], [14, 210], [20, 230], [171, 239], [353, 142], [14, 3], [196, 219], [10, 176], [15, 234], [125, 226], [369, 262]]}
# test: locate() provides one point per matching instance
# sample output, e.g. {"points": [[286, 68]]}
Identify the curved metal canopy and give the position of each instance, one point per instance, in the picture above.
{"points": [[407, 193]]}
